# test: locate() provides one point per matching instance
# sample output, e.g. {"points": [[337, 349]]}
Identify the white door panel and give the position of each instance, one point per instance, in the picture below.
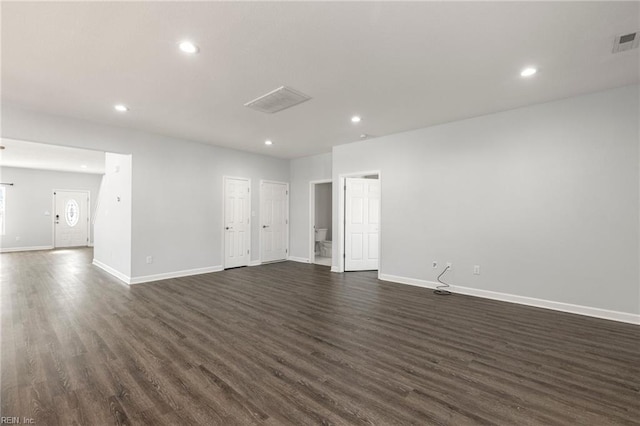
{"points": [[372, 249], [362, 218], [374, 210], [71, 219], [237, 213], [274, 221]]}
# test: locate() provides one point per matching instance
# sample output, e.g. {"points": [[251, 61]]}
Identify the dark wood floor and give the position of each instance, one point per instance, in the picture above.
{"points": [[291, 343]]}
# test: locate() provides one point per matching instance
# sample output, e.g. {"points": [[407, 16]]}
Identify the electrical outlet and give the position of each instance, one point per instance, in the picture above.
{"points": [[476, 269], [434, 264], [149, 259], [450, 265], [17, 238]]}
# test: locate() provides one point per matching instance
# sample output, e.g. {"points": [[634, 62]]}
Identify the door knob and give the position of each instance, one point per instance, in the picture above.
{"points": [[227, 227], [265, 226]]}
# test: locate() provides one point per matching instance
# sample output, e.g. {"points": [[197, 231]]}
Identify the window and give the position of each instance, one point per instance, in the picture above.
{"points": [[72, 213], [2, 203]]}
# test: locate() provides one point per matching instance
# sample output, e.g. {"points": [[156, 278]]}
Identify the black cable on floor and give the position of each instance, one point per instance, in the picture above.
{"points": [[440, 290]]}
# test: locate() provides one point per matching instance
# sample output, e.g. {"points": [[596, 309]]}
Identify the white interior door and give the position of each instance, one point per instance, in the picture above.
{"points": [[362, 222], [237, 222], [71, 219], [274, 221]]}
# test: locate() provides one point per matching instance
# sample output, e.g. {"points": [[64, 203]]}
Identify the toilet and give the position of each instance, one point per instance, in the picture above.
{"points": [[323, 246], [321, 234]]}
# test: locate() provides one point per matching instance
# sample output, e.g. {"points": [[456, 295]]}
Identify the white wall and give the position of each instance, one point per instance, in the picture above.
{"points": [[545, 198], [304, 170], [113, 217], [27, 226], [323, 210], [176, 186]]}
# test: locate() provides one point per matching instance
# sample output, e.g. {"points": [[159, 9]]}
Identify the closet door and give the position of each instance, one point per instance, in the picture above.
{"points": [[362, 223], [274, 221]]}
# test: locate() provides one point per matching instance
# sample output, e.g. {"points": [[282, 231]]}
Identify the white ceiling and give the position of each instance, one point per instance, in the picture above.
{"points": [[32, 155], [400, 66]]}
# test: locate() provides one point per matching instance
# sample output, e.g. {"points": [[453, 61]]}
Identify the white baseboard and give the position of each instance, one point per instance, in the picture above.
{"points": [[176, 274], [336, 269], [298, 259], [550, 304], [410, 281], [156, 277], [255, 263], [522, 300], [36, 248], [119, 275]]}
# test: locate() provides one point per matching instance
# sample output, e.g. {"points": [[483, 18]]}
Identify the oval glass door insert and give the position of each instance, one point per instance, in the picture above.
{"points": [[72, 213]]}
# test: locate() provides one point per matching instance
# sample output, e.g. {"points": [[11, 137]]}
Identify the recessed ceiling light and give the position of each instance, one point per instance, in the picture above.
{"points": [[121, 108], [268, 142], [528, 72], [356, 119], [363, 136], [188, 47], [83, 166]]}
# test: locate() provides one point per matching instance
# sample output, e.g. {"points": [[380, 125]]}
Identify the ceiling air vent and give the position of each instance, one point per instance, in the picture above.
{"points": [[277, 100], [626, 42]]}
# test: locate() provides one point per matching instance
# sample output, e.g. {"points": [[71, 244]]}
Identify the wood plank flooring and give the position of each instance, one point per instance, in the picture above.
{"points": [[291, 343]]}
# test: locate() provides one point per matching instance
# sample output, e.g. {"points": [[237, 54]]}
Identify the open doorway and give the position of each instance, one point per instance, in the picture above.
{"points": [[359, 222], [51, 195], [321, 222]]}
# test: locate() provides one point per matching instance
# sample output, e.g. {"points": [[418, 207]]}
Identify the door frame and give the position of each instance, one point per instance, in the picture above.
{"points": [[262, 181], [224, 210], [312, 217], [341, 217], [53, 215]]}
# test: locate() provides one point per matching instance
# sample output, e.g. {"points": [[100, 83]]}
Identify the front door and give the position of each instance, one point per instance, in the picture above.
{"points": [[362, 221], [71, 218], [274, 221], [237, 216]]}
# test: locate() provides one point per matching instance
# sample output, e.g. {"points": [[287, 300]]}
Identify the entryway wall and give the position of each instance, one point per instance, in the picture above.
{"points": [[29, 211], [113, 217]]}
